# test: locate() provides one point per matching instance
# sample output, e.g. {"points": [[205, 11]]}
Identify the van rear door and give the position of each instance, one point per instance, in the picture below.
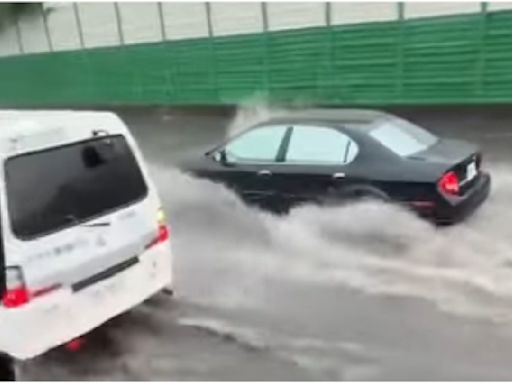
{"points": [[76, 211]]}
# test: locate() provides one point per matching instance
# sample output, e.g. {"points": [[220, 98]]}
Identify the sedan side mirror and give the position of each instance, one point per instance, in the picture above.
{"points": [[221, 157]]}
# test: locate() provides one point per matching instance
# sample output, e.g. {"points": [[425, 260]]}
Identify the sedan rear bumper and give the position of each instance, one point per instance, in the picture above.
{"points": [[457, 209]]}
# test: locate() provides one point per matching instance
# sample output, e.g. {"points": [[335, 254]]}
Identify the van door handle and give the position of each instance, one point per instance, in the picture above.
{"points": [[264, 172], [338, 175]]}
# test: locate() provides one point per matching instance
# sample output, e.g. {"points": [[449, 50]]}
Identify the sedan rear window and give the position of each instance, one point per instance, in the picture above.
{"points": [[402, 137], [63, 186]]}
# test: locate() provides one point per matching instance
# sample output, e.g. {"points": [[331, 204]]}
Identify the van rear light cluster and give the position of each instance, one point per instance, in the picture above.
{"points": [[449, 183], [75, 344], [163, 232], [16, 293]]}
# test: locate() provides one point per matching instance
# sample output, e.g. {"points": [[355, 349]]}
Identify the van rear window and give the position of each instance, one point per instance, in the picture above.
{"points": [[64, 186]]}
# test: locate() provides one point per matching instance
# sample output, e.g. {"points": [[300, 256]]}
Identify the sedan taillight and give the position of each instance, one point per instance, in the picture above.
{"points": [[449, 183]]}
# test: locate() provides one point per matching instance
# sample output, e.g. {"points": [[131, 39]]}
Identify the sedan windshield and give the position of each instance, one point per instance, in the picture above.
{"points": [[402, 137]]}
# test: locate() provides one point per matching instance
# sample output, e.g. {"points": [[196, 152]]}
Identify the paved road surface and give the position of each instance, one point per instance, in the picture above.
{"points": [[366, 292]]}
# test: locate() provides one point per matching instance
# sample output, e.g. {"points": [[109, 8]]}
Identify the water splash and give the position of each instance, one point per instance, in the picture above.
{"points": [[373, 247]]}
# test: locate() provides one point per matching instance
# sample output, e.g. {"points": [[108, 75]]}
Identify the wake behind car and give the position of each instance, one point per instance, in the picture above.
{"points": [[83, 236], [331, 156]]}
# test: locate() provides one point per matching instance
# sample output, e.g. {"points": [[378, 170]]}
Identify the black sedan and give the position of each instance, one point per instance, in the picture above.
{"points": [[331, 156]]}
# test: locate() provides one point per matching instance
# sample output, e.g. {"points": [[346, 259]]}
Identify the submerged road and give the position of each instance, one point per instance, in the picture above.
{"points": [[366, 292]]}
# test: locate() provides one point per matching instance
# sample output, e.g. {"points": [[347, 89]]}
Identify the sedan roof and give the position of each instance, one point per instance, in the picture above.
{"points": [[333, 114], [348, 118]]}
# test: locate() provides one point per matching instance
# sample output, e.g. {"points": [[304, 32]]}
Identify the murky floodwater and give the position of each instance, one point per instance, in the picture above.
{"points": [[366, 291]]}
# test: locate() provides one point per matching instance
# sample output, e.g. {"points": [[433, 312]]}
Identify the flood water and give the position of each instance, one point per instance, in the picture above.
{"points": [[361, 292]]}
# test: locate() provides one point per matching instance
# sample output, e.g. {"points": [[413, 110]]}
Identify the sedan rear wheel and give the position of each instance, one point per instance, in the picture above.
{"points": [[355, 195]]}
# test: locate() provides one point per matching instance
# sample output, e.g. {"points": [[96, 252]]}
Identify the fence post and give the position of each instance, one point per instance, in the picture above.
{"points": [[481, 44], [266, 60], [18, 34], [79, 25], [213, 56], [119, 23], [328, 11], [400, 51], [46, 29], [162, 20], [323, 88], [168, 86]]}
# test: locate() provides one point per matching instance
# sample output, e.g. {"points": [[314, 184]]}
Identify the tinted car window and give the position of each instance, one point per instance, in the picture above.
{"points": [[402, 137], [59, 187], [257, 145], [320, 145]]}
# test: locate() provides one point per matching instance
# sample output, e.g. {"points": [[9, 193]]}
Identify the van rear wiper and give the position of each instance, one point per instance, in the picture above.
{"points": [[74, 220], [102, 224]]}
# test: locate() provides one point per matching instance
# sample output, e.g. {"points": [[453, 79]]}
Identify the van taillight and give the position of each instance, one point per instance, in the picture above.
{"points": [[16, 293], [449, 183], [163, 232]]}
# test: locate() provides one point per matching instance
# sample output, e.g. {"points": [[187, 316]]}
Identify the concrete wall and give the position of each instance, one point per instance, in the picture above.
{"points": [[63, 27], [143, 22], [426, 9], [140, 22], [185, 20], [353, 13], [236, 18]]}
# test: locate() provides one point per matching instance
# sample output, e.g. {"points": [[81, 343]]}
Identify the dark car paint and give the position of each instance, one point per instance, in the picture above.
{"points": [[446, 151], [7, 368], [279, 186]]}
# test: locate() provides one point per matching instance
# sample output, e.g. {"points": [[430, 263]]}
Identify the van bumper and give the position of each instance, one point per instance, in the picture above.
{"points": [[48, 322]]}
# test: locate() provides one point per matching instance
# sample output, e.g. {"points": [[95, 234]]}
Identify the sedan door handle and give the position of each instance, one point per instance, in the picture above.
{"points": [[338, 175], [264, 172]]}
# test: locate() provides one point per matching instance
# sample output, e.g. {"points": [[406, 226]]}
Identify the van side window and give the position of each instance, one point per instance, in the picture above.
{"points": [[59, 187], [320, 145]]}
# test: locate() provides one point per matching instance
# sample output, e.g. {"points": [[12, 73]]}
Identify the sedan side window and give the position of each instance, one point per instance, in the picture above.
{"points": [[257, 145], [320, 145]]}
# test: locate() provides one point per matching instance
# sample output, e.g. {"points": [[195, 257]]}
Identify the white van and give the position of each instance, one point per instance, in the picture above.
{"points": [[83, 236]]}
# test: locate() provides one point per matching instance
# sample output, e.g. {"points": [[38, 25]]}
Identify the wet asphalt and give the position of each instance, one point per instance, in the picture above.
{"points": [[365, 292]]}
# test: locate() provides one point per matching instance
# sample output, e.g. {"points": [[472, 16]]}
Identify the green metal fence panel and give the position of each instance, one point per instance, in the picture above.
{"points": [[497, 51], [440, 60], [456, 59]]}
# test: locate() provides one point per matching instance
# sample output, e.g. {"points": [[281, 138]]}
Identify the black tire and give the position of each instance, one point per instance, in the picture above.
{"points": [[7, 368]]}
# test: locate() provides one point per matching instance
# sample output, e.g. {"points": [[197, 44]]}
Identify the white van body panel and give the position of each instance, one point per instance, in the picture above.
{"points": [[78, 251], [34, 329]]}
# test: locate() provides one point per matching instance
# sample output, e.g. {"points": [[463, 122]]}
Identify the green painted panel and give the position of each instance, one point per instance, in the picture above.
{"points": [[456, 59]]}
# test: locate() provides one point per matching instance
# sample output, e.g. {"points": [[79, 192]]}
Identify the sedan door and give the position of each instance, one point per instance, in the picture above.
{"points": [[317, 161], [248, 161]]}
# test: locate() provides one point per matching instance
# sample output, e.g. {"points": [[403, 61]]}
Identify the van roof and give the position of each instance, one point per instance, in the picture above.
{"points": [[44, 128], [12, 121]]}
